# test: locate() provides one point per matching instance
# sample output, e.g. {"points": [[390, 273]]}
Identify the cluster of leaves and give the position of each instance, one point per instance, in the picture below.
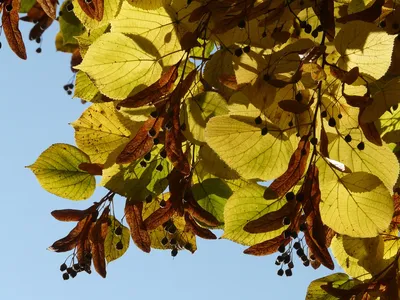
{"points": [[194, 103]]}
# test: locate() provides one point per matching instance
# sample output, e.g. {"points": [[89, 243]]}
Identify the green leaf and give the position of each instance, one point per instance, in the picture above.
{"points": [[117, 65], [337, 280], [212, 194], [247, 204], [137, 182], [154, 31], [357, 204], [101, 129], [85, 88], [110, 243], [385, 95], [70, 26], [57, 170], [359, 258], [366, 46], [199, 110], [390, 126], [238, 141], [26, 5]]}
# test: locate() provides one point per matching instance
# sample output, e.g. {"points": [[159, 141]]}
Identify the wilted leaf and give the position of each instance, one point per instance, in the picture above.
{"points": [[133, 214]]}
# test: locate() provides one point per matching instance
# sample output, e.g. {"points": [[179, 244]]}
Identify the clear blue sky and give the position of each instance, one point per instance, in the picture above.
{"points": [[35, 112]]}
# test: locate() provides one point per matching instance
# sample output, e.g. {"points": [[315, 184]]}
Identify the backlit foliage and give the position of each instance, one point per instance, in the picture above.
{"points": [[194, 103]]}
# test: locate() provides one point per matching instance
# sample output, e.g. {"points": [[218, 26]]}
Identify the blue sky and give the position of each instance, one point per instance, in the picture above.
{"points": [[35, 114]]}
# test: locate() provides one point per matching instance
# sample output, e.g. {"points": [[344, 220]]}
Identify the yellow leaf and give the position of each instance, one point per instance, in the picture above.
{"points": [[247, 204], [85, 88], [149, 4], [100, 130], [377, 160], [117, 65], [153, 30], [357, 204], [111, 8], [385, 95], [365, 46], [57, 170], [239, 142]]}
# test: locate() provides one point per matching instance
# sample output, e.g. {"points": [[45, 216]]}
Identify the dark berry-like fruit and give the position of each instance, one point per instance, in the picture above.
{"points": [[348, 138], [238, 52], [281, 248], [246, 49], [280, 272], [319, 28], [308, 28], [154, 114], [163, 154], [73, 273], [290, 196], [69, 92], [300, 252], [314, 141], [286, 260], [294, 235], [287, 234], [65, 87], [306, 263], [290, 124], [242, 24], [286, 221], [314, 33], [288, 272], [172, 229], [65, 276], [361, 146], [297, 245], [163, 203], [148, 198], [264, 131], [168, 126], [183, 126], [266, 77], [340, 116], [164, 241], [76, 267], [147, 156], [159, 168], [279, 258], [258, 120], [118, 230], [173, 241], [174, 252], [277, 262], [300, 197], [69, 270], [303, 227], [70, 7], [324, 114], [299, 96], [304, 258], [119, 245], [156, 141], [143, 164], [264, 34], [290, 265], [303, 24], [303, 151], [38, 40], [382, 24], [63, 267], [152, 132], [332, 122], [9, 7]]}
